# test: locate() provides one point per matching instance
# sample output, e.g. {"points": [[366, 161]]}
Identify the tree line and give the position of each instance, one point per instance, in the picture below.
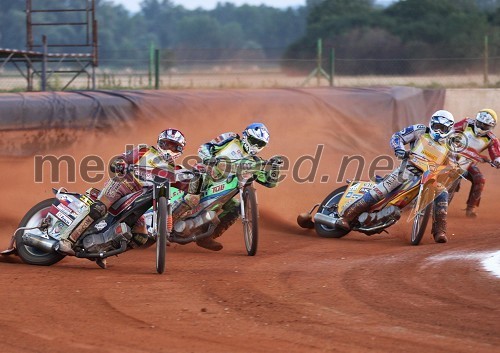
{"points": [[357, 29]]}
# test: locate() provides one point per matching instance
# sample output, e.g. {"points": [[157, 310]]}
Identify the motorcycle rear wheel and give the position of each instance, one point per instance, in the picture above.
{"points": [[326, 207], [29, 254], [419, 224], [161, 240], [251, 221]]}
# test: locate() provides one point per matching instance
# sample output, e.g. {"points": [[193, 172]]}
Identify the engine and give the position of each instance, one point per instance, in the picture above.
{"points": [[108, 240], [185, 227]]}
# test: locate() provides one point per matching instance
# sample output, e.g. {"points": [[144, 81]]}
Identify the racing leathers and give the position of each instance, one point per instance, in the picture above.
{"points": [[421, 144], [228, 148], [478, 144]]}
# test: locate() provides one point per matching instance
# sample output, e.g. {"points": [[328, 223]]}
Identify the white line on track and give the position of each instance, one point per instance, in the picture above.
{"points": [[490, 260]]}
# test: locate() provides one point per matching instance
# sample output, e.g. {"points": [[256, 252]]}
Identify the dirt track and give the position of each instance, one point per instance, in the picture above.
{"points": [[300, 293]]}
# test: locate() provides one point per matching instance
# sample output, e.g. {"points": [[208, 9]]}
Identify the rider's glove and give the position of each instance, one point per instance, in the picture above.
{"points": [[119, 166], [276, 161], [496, 163], [401, 153]]}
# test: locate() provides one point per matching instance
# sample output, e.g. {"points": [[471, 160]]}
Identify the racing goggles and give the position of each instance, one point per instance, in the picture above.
{"points": [[256, 142], [440, 124], [483, 126], [169, 145]]}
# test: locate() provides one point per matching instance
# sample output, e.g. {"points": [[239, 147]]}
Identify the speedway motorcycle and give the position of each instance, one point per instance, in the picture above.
{"points": [[231, 191], [36, 240], [416, 194]]}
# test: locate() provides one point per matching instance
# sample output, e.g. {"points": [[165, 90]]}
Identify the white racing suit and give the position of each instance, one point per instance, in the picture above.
{"points": [[421, 143]]}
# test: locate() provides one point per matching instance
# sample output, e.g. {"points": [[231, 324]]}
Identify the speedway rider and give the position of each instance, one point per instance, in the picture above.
{"points": [[423, 141], [479, 137], [170, 145], [230, 147]]}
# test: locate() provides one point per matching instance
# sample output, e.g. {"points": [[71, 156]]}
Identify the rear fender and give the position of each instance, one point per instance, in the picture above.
{"points": [[354, 192]]}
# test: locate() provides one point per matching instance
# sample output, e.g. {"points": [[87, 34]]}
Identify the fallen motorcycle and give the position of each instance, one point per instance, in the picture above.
{"points": [[417, 193]]}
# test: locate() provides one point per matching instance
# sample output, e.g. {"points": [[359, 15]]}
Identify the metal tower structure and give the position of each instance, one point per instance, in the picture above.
{"points": [[43, 59]]}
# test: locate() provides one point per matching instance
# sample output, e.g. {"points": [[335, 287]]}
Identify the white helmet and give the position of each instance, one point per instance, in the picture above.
{"points": [[255, 138], [171, 143], [485, 121], [441, 124]]}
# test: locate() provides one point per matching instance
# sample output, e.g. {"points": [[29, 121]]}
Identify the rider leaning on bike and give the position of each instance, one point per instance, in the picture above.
{"points": [[422, 140], [230, 147], [170, 145], [479, 137]]}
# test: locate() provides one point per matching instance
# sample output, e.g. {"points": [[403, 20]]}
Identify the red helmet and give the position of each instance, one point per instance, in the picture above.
{"points": [[171, 143]]}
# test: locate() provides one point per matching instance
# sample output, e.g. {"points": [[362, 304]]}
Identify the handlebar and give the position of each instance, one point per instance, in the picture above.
{"points": [[479, 158]]}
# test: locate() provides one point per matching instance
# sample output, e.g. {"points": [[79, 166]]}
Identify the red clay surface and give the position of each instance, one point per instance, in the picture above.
{"points": [[300, 293]]}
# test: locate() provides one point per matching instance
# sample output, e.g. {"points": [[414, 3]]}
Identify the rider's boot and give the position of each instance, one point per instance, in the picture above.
{"points": [[210, 244], [230, 214], [439, 229], [439, 218], [469, 212], [353, 211], [102, 263]]}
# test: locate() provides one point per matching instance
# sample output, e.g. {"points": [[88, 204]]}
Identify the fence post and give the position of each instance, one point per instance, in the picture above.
{"points": [[318, 71], [332, 65], [157, 68], [44, 63], [319, 64], [485, 77], [150, 66]]}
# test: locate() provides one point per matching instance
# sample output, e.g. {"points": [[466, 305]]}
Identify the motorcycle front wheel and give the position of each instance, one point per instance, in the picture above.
{"points": [[328, 207], [161, 239], [33, 218], [250, 220], [419, 224]]}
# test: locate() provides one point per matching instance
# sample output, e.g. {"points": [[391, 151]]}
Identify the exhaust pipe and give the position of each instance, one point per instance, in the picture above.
{"points": [[325, 220], [38, 242], [190, 224]]}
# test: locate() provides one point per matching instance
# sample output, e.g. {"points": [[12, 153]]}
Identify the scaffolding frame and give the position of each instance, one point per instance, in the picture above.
{"points": [[36, 61]]}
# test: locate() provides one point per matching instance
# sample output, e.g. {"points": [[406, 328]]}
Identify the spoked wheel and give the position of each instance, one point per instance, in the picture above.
{"points": [[250, 220], [419, 224], [29, 254], [328, 207], [161, 238]]}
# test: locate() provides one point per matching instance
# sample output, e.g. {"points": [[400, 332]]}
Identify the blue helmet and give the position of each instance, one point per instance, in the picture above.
{"points": [[255, 138]]}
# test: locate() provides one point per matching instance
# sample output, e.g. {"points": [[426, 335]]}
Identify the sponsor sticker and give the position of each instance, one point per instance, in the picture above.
{"points": [[101, 225], [86, 200], [66, 210], [218, 188], [64, 218]]}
